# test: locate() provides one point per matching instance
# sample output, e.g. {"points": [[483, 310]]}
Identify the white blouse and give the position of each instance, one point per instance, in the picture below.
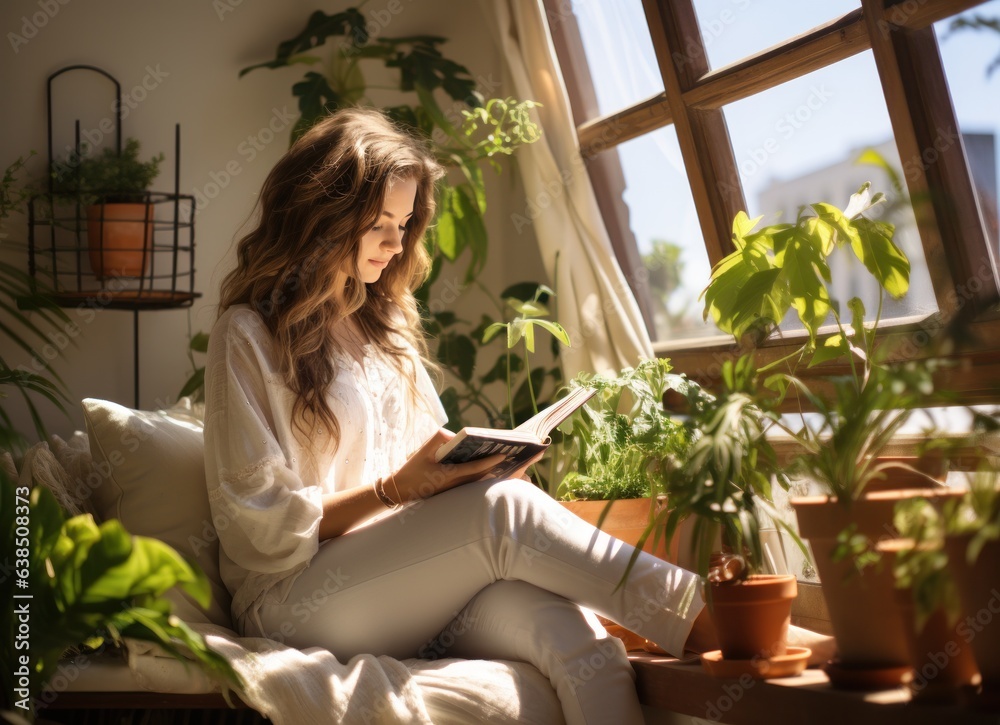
{"points": [[264, 487]]}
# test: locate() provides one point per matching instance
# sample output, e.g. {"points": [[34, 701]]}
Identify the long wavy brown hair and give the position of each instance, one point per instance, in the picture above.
{"points": [[323, 195]]}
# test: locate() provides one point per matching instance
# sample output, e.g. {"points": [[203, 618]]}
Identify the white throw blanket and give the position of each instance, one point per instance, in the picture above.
{"points": [[300, 687]]}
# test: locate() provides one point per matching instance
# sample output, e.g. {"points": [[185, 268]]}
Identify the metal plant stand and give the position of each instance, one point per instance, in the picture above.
{"points": [[71, 259]]}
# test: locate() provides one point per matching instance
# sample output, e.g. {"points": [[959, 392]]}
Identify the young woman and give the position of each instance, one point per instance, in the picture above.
{"points": [[337, 527]]}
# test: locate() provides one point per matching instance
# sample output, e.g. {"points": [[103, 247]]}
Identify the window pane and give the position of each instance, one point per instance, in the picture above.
{"points": [[734, 29], [971, 55], [619, 52], [660, 216], [799, 143]]}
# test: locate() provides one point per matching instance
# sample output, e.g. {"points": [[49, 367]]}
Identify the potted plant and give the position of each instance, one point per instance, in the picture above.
{"points": [[942, 660], [113, 187], [610, 455], [840, 455], [90, 585], [972, 547], [783, 267], [723, 486], [617, 446]]}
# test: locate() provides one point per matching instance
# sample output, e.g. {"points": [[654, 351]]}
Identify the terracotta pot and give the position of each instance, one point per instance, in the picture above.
{"points": [[943, 663], [979, 591], [751, 617], [942, 660], [119, 237], [866, 621], [626, 520], [824, 518]]}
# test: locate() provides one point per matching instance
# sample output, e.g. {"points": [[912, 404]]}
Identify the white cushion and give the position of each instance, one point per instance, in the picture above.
{"points": [[454, 691], [73, 456], [150, 470], [41, 467]]}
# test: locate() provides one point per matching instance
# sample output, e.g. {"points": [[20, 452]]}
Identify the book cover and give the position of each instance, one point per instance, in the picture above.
{"points": [[519, 445]]}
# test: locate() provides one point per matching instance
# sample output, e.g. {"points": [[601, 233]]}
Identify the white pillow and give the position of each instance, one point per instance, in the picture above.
{"points": [[40, 467], [150, 475]]}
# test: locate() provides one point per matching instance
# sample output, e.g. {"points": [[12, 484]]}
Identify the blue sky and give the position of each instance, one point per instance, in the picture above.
{"points": [[781, 134]]}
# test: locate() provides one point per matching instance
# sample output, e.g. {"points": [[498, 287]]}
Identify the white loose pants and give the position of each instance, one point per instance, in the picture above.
{"points": [[492, 570]]}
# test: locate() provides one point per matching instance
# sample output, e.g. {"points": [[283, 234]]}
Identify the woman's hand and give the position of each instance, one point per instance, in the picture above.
{"points": [[522, 472], [422, 477]]}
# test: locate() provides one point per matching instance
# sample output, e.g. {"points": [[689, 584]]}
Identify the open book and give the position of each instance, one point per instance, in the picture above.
{"points": [[519, 445]]}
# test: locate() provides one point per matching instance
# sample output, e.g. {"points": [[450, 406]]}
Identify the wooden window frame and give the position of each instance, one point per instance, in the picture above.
{"points": [[901, 37]]}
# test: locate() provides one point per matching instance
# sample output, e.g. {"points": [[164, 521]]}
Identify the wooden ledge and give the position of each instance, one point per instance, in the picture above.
{"points": [[684, 687]]}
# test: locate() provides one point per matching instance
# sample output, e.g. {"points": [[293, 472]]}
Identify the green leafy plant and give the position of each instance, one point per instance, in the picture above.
{"points": [[922, 566], [476, 130], [20, 293], [853, 546], [623, 438], [91, 584], [784, 266], [106, 177], [977, 513], [522, 328], [856, 423], [725, 480], [530, 394], [461, 349]]}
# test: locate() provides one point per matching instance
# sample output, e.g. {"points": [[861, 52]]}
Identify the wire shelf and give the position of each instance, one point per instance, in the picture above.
{"points": [[142, 254], [105, 251]]}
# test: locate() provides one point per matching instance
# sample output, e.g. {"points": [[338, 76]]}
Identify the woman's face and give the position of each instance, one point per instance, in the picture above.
{"points": [[385, 240]]}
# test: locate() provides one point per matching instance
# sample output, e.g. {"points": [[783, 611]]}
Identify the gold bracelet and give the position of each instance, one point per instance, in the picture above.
{"points": [[392, 477], [379, 488]]}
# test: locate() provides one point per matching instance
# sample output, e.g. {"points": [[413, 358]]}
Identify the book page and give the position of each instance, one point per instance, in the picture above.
{"points": [[541, 424]]}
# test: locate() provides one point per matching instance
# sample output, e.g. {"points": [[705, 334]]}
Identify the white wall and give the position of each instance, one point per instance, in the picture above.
{"points": [[189, 53]]}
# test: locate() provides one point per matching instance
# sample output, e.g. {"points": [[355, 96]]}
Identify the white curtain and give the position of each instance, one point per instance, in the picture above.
{"points": [[595, 303]]}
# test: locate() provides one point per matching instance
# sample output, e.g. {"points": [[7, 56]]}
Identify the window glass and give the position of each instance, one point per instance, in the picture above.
{"points": [[970, 51], [800, 143], [619, 52], [734, 29], [660, 216]]}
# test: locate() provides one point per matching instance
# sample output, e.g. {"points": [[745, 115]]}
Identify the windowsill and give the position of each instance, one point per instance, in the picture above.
{"points": [[667, 684], [971, 380], [796, 338]]}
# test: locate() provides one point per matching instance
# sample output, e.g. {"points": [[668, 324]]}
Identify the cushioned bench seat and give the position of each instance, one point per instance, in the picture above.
{"points": [[147, 470]]}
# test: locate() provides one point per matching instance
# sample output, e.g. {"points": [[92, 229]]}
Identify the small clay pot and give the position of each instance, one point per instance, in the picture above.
{"points": [[119, 237], [979, 591], [943, 665], [751, 616]]}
